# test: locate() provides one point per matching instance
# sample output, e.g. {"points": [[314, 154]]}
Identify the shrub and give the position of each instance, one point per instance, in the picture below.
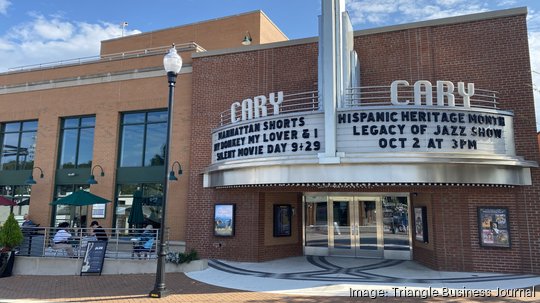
{"points": [[11, 235], [179, 258]]}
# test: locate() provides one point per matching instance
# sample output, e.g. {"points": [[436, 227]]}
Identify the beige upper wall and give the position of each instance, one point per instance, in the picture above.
{"points": [[269, 31], [227, 32]]}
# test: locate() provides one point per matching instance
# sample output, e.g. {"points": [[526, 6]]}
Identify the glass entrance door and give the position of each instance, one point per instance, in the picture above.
{"points": [[356, 226]]}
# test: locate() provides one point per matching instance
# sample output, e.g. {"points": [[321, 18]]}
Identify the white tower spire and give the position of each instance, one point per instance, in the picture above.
{"points": [[337, 61]]}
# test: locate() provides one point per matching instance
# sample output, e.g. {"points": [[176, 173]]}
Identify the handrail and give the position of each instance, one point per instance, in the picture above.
{"points": [[295, 102], [363, 96], [370, 95], [108, 57], [122, 243]]}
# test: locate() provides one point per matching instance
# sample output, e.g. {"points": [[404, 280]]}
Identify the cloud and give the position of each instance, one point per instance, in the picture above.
{"points": [[400, 11], [44, 40], [4, 4]]}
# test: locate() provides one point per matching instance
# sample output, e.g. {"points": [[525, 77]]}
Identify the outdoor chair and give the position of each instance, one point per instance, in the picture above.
{"points": [[143, 249], [57, 250]]}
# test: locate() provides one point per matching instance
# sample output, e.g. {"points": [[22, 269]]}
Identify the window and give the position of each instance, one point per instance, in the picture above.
{"points": [[143, 139], [138, 205], [18, 145], [77, 142], [76, 216], [20, 194]]}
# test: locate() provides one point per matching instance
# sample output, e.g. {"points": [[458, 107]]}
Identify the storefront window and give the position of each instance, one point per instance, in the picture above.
{"points": [[396, 223], [143, 139], [76, 216], [139, 205], [77, 143], [316, 221], [18, 145], [20, 194]]}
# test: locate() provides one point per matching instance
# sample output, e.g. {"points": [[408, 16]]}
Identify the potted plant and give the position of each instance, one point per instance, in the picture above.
{"points": [[11, 236]]}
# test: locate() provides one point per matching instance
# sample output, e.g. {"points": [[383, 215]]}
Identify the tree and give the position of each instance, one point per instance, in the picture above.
{"points": [[11, 235]]}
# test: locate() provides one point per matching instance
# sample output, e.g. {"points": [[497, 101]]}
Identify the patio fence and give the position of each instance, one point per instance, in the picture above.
{"points": [[122, 243]]}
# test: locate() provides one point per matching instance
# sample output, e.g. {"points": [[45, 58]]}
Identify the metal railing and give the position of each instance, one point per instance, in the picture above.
{"points": [[121, 244], [192, 46], [380, 95], [364, 96], [296, 102]]}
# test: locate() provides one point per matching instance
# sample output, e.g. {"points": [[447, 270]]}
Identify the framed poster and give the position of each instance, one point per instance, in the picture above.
{"points": [[98, 211], [420, 224], [224, 220], [493, 226], [282, 220]]}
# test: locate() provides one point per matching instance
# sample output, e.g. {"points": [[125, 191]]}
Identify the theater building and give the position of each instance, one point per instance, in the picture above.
{"points": [[411, 142]]}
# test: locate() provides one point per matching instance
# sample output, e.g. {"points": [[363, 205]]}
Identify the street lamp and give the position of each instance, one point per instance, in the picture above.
{"points": [[172, 63], [92, 179], [172, 177], [30, 180], [247, 39]]}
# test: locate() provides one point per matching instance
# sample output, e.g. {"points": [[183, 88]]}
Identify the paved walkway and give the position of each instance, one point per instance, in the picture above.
{"points": [[297, 280], [333, 276]]}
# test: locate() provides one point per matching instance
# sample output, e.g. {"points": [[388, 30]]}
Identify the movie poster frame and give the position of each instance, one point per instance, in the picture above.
{"points": [[281, 229], [423, 235], [485, 228], [229, 207]]}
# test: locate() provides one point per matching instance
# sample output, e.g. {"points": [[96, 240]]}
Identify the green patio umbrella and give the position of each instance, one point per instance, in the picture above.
{"points": [[80, 198], [136, 216]]}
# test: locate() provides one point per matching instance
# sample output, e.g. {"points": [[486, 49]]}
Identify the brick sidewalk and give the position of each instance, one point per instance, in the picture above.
{"points": [[135, 288]]}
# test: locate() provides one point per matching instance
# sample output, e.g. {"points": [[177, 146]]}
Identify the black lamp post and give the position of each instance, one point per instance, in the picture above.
{"points": [[172, 63]]}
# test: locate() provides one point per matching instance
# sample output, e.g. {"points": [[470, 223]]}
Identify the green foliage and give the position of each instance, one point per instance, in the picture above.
{"points": [[11, 235], [179, 258]]}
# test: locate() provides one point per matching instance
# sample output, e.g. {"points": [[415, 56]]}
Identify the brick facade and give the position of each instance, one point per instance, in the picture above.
{"points": [[492, 53]]}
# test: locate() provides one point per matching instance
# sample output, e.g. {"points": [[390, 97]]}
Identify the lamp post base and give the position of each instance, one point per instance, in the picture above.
{"points": [[159, 293]]}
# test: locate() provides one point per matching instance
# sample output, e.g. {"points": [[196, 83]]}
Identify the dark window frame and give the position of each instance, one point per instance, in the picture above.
{"points": [[79, 127], [20, 133], [145, 123]]}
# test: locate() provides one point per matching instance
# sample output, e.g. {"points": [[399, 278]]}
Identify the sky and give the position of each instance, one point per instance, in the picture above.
{"points": [[44, 31]]}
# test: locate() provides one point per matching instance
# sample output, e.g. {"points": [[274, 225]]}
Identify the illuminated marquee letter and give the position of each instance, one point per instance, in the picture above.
{"points": [[394, 92], [419, 92], [275, 102], [466, 95], [247, 109], [233, 112], [259, 106], [448, 93]]}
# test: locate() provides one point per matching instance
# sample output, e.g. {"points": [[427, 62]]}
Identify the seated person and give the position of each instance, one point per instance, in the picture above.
{"points": [[145, 243], [62, 237], [27, 222], [98, 231], [28, 226]]}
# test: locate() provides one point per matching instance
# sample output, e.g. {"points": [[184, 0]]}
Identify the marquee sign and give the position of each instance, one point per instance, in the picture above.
{"points": [[284, 135], [420, 125], [421, 129]]}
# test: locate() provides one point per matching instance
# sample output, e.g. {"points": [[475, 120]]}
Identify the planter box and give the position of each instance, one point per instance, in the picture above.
{"points": [[7, 260]]}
